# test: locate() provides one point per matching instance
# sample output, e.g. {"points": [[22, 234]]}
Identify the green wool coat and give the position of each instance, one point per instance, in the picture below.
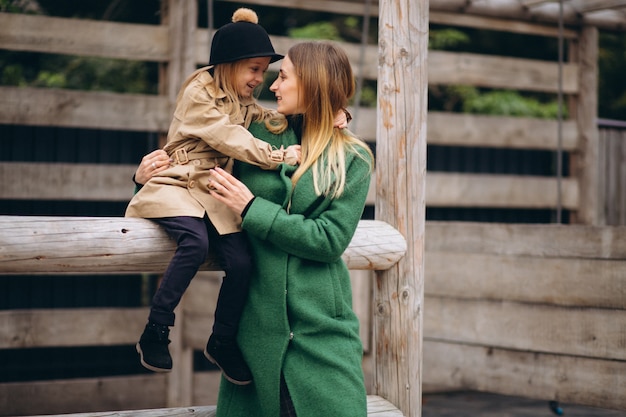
{"points": [[298, 319]]}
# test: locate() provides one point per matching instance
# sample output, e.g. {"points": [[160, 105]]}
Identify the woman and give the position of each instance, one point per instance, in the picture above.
{"points": [[298, 332]]}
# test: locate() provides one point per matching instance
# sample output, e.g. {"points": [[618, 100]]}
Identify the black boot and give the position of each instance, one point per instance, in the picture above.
{"points": [[152, 348], [225, 353]]}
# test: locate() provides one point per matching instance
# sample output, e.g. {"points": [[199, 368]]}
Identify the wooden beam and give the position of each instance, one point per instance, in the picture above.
{"points": [[82, 109], [585, 160], [400, 198], [62, 245], [586, 6], [524, 240], [503, 191], [22, 32], [499, 72], [496, 24], [569, 379], [108, 182], [537, 280], [585, 332]]}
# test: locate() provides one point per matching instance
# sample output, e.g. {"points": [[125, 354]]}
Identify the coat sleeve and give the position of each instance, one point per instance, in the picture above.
{"points": [[323, 238], [197, 116]]}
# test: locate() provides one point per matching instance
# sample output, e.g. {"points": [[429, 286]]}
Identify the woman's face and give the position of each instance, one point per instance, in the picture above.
{"points": [[286, 88], [250, 75]]}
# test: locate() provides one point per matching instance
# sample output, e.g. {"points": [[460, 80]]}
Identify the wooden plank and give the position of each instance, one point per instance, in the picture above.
{"points": [[95, 110], [456, 129], [548, 281], [566, 241], [612, 160], [509, 11], [61, 245], [23, 32], [548, 13], [328, 6], [66, 108], [589, 332], [496, 24], [585, 161], [36, 328], [503, 191], [576, 380], [500, 72], [379, 407], [206, 387], [376, 407], [80, 395], [70, 182]]}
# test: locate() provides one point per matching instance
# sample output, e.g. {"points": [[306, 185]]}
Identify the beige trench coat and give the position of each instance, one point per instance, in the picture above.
{"points": [[201, 136]]}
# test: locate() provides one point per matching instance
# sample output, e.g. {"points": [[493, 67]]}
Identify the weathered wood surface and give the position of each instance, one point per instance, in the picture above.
{"points": [[612, 162], [611, 16], [104, 182], [376, 407], [94, 110], [573, 379], [401, 199], [151, 43], [61, 245], [585, 161], [65, 108], [525, 240], [23, 32]]}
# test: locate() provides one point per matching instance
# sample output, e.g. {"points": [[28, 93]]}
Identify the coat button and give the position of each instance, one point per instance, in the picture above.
{"points": [[191, 184], [290, 335], [196, 162]]}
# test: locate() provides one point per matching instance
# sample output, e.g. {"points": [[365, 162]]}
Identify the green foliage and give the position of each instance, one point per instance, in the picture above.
{"points": [[469, 99], [78, 73], [447, 38], [509, 103], [317, 30]]}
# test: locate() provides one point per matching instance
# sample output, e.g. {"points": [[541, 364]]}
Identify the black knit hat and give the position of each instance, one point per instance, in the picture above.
{"points": [[243, 38]]}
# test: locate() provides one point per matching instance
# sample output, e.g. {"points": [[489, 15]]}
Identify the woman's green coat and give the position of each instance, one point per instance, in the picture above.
{"points": [[299, 317]]}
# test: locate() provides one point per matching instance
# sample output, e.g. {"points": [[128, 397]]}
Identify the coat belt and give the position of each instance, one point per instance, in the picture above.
{"points": [[182, 157]]}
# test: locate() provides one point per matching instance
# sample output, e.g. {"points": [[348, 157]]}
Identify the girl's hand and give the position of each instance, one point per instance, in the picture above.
{"points": [[152, 164], [229, 190], [293, 155], [342, 119]]}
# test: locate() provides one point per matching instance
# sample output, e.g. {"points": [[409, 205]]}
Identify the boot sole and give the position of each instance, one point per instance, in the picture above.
{"points": [[229, 379], [147, 365]]}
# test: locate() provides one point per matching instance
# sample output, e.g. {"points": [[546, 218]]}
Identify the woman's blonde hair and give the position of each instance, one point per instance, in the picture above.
{"points": [[326, 84]]}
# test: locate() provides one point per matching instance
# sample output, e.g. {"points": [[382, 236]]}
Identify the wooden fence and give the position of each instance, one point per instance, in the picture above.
{"points": [[182, 45], [506, 310], [535, 311]]}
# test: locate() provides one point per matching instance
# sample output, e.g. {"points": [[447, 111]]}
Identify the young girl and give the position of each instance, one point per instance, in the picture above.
{"points": [[213, 110]]}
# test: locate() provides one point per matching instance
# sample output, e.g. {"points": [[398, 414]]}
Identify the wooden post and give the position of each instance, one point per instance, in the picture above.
{"points": [[400, 198], [585, 159]]}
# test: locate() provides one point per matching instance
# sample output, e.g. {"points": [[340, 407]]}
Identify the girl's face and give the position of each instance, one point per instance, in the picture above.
{"points": [[287, 90], [250, 75]]}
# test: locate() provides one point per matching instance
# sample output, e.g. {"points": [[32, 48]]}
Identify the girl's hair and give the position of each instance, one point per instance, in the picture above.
{"points": [[326, 83]]}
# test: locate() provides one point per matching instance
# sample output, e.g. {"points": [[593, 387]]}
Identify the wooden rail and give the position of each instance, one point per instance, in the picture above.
{"points": [[376, 407], [41, 245]]}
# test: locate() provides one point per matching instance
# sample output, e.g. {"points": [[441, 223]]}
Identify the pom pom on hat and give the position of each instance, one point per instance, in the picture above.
{"points": [[243, 38], [245, 15]]}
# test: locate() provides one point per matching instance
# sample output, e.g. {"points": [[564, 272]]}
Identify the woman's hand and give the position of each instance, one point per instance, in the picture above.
{"points": [[229, 190], [152, 164]]}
